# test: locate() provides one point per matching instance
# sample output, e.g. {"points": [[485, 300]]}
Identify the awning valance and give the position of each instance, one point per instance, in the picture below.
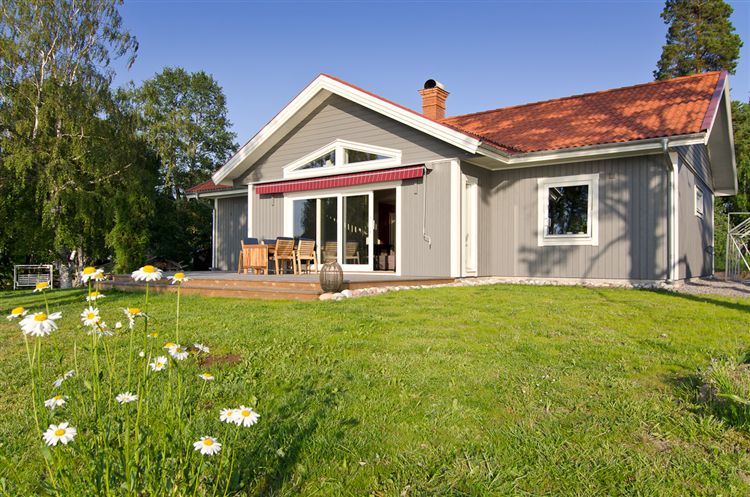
{"points": [[341, 180]]}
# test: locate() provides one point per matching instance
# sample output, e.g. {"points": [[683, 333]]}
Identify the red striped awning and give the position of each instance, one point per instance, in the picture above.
{"points": [[341, 180]]}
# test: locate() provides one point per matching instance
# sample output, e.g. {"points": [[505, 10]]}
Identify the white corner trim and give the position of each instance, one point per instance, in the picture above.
{"points": [[214, 230], [674, 213], [393, 159], [455, 227], [325, 83], [250, 200], [543, 185]]}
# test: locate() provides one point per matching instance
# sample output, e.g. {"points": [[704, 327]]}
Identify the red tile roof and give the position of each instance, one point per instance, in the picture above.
{"points": [[206, 187], [673, 107]]}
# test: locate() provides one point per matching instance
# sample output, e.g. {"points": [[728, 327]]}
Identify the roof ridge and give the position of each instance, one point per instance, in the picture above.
{"points": [[580, 95]]}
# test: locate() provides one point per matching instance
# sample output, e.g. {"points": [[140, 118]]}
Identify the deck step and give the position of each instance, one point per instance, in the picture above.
{"points": [[266, 288], [216, 290]]}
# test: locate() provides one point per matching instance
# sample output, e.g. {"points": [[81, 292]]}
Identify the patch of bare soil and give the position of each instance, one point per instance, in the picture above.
{"points": [[226, 359]]}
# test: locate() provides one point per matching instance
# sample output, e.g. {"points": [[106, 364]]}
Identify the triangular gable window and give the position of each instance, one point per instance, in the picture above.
{"points": [[325, 160], [343, 156]]}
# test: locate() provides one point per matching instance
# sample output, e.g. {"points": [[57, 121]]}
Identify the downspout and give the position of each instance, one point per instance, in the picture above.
{"points": [[427, 238], [670, 213]]}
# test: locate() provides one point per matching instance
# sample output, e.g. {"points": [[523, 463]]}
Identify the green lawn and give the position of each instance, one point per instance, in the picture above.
{"points": [[505, 390]]}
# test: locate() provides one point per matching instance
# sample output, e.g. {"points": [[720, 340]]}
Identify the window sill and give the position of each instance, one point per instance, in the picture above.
{"points": [[567, 240]]}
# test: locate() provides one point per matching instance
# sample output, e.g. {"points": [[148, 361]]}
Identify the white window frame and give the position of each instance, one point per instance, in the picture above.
{"points": [[700, 206], [293, 170], [543, 187], [289, 199]]}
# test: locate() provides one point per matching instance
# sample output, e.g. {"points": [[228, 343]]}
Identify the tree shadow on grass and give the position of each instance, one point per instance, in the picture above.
{"points": [[273, 461], [705, 299]]}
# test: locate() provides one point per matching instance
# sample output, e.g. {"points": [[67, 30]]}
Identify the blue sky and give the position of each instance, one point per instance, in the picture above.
{"points": [[488, 54]]}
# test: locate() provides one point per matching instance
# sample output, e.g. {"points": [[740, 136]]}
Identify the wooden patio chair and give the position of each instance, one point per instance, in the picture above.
{"points": [[283, 252], [352, 252], [306, 253], [242, 262], [330, 250]]}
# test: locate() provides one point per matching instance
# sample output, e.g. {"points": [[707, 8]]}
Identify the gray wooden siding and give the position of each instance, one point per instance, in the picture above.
{"points": [[268, 216], [231, 219], [418, 257], [696, 156], [338, 118], [696, 235], [632, 223]]}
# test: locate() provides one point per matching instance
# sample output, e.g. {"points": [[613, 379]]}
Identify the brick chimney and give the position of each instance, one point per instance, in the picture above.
{"points": [[433, 99]]}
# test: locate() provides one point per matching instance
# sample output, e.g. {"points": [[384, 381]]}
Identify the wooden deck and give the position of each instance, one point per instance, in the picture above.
{"points": [[268, 287]]}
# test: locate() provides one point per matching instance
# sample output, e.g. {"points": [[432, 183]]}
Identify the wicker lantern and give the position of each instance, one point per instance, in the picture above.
{"points": [[331, 277]]}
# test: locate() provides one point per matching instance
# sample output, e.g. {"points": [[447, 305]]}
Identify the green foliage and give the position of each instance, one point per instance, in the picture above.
{"points": [[75, 173], [182, 230], [495, 390], [700, 38], [142, 444], [725, 391], [184, 117]]}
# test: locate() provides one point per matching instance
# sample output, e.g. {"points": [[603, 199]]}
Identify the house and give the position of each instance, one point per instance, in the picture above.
{"points": [[615, 185]]}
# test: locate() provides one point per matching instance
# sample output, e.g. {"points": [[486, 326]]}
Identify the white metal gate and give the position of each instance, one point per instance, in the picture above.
{"points": [[738, 245]]}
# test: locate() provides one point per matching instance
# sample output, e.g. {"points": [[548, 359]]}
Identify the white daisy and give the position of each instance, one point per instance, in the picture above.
{"points": [[208, 446], [228, 415], [64, 377], [141, 354], [59, 433], [94, 296], [179, 278], [131, 313], [41, 286], [201, 348], [100, 329], [118, 325], [90, 316], [56, 401], [159, 363], [206, 376], [147, 273], [88, 273], [39, 324], [246, 416], [17, 313], [126, 397], [178, 352]]}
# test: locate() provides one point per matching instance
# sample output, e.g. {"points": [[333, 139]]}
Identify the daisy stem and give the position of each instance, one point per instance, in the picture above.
{"points": [[198, 477], [177, 323], [221, 461], [231, 461], [46, 304], [33, 383]]}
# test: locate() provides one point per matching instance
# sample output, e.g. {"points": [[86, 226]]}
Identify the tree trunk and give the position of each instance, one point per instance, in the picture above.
{"points": [[64, 270]]}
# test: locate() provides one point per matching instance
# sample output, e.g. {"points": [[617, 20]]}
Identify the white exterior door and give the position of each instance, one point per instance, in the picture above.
{"points": [[469, 225]]}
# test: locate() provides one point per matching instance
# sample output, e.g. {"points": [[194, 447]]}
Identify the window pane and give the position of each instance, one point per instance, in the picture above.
{"points": [[352, 156], [329, 228], [327, 160], [568, 210], [305, 218], [356, 229]]}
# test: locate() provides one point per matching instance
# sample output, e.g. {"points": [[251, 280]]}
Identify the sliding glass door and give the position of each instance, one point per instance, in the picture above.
{"points": [[342, 226]]}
